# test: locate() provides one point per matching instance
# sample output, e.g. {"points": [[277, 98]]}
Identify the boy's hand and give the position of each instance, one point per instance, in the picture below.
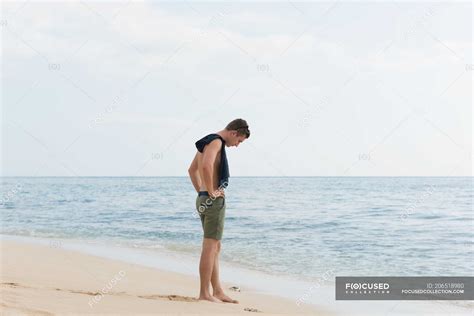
{"points": [[217, 193]]}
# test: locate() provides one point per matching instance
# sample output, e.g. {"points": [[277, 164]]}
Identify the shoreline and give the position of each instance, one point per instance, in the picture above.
{"points": [[40, 279], [300, 298], [183, 263], [177, 262]]}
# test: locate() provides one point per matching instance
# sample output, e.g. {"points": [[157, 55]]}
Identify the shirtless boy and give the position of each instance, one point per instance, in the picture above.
{"points": [[209, 172]]}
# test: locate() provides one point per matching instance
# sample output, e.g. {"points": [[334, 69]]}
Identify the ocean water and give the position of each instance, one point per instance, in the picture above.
{"points": [[297, 227]]}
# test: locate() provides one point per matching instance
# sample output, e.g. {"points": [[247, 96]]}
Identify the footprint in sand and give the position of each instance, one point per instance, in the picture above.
{"points": [[170, 297], [11, 284]]}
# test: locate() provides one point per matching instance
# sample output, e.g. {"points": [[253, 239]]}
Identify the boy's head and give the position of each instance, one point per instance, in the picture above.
{"points": [[238, 132]]}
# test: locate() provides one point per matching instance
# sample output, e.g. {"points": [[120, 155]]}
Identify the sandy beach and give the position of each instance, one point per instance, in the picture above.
{"points": [[43, 280]]}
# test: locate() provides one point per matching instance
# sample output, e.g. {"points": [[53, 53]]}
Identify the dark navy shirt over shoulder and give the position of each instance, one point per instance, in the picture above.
{"points": [[224, 167]]}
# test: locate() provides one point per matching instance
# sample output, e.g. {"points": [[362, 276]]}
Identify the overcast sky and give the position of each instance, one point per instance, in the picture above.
{"points": [[125, 88]]}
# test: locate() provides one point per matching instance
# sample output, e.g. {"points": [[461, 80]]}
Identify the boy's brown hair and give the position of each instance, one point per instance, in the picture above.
{"points": [[239, 125]]}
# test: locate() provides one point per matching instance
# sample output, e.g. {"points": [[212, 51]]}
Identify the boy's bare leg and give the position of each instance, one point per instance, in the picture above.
{"points": [[218, 291], [206, 265]]}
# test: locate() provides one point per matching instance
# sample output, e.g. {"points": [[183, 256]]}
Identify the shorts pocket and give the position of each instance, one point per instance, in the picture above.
{"points": [[219, 202]]}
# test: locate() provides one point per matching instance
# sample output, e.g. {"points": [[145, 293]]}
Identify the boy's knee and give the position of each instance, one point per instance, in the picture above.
{"points": [[216, 247], [211, 244]]}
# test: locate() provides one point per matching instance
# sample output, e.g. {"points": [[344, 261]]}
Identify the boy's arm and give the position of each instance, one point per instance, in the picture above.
{"points": [[209, 156], [194, 173]]}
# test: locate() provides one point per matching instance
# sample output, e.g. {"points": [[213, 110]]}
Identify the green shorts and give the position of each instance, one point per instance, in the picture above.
{"points": [[212, 213]]}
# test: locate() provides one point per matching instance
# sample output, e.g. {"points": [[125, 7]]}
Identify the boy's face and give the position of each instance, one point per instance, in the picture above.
{"points": [[235, 139]]}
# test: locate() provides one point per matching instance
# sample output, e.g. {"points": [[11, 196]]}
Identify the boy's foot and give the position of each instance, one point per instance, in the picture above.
{"points": [[224, 298], [210, 298]]}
